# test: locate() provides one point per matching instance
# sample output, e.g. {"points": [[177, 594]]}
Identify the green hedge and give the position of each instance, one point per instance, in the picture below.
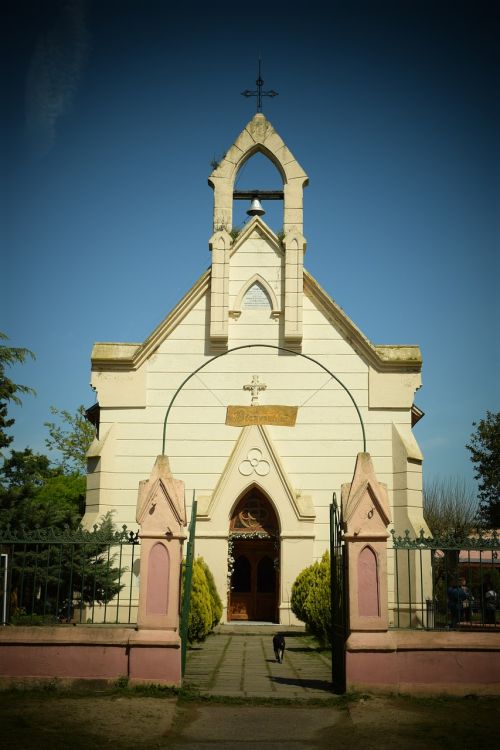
{"points": [[310, 599], [205, 607]]}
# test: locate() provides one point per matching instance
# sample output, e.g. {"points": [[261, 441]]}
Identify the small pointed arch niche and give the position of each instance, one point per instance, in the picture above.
{"points": [[256, 294]]}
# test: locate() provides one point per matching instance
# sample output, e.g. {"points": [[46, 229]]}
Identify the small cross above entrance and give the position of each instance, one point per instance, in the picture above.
{"points": [[255, 387]]}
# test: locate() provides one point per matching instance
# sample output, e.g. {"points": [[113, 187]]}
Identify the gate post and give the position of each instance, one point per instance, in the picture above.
{"points": [[155, 654], [365, 505]]}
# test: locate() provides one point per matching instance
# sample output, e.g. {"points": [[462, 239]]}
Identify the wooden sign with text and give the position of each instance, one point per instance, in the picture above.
{"points": [[241, 416]]}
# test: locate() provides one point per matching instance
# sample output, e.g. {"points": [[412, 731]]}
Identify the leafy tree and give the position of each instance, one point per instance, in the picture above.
{"points": [[33, 493], [25, 471], [484, 448], [22, 475], [9, 391], [62, 498], [72, 438], [55, 565]]}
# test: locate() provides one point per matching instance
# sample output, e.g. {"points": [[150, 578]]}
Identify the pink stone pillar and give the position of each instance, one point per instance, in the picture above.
{"points": [[366, 517], [161, 513]]}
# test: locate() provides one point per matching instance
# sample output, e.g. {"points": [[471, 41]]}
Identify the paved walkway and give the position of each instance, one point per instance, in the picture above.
{"points": [[239, 661]]}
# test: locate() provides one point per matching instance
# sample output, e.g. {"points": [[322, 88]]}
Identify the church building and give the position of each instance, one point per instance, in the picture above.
{"points": [[261, 392]]}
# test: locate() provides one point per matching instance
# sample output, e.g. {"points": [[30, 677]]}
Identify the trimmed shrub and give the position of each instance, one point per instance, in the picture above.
{"points": [[300, 592], [318, 604], [215, 599], [205, 606], [200, 606], [310, 601]]}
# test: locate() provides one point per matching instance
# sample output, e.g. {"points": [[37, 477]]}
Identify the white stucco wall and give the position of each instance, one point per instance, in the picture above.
{"points": [[317, 455]]}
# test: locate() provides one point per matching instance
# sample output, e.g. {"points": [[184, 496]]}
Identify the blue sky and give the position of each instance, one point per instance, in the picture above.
{"points": [[392, 110]]}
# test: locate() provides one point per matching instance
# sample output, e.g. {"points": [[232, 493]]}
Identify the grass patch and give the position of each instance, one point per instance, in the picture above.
{"points": [[188, 693]]}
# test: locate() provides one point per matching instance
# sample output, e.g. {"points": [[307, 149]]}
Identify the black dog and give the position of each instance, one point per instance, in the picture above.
{"points": [[279, 647]]}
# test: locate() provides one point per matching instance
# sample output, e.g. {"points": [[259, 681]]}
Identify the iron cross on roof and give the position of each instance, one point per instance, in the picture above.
{"points": [[255, 386], [259, 93]]}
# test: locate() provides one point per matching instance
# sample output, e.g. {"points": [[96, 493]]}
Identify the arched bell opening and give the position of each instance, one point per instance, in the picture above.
{"points": [[259, 137], [259, 175], [254, 557]]}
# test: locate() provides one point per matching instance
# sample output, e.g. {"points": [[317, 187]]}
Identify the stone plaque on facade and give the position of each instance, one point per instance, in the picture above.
{"points": [[256, 298], [241, 416]]}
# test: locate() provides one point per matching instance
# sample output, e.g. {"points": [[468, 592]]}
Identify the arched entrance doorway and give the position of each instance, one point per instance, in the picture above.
{"points": [[254, 554]]}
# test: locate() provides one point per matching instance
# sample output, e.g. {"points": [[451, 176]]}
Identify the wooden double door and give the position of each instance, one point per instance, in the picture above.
{"points": [[254, 582]]}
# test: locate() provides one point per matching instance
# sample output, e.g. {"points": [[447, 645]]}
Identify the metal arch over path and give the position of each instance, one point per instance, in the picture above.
{"points": [[262, 346]]}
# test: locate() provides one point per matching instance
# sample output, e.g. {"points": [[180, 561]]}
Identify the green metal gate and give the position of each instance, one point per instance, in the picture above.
{"points": [[186, 589], [339, 594]]}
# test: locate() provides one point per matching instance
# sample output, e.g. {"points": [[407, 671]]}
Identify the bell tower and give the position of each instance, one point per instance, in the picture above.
{"points": [[258, 136]]}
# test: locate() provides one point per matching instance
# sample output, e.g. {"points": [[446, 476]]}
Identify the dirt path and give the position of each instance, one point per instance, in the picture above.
{"points": [[39, 721]]}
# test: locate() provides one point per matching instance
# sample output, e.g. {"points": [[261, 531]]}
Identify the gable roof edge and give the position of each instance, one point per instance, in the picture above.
{"points": [[256, 223], [119, 356], [383, 357]]}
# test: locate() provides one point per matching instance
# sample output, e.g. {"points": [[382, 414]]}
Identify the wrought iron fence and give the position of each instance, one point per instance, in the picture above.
{"points": [[445, 583], [53, 576]]}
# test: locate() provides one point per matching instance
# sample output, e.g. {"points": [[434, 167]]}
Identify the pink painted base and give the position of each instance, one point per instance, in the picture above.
{"points": [[423, 662], [155, 656], [79, 653]]}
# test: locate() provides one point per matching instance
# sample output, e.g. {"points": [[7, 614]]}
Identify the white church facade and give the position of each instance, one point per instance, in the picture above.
{"points": [[287, 391]]}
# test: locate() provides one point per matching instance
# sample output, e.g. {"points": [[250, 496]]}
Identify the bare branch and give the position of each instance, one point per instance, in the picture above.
{"points": [[451, 506]]}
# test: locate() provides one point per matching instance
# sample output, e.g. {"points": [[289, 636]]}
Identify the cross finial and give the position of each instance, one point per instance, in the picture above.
{"points": [[259, 93], [255, 387]]}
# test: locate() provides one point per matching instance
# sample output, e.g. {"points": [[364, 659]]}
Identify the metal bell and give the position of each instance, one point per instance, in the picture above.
{"points": [[256, 208]]}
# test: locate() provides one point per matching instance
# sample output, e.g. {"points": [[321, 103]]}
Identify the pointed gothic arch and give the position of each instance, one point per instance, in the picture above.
{"points": [[259, 280], [254, 557], [259, 136], [254, 512], [259, 148]]}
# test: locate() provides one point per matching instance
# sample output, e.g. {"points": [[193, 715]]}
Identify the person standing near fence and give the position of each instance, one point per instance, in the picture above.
{"points": [[467, 602], [490, 604], [456, 597]]}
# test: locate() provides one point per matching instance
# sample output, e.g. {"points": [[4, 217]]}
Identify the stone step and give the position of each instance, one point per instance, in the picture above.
{"points": [[244, 627]]}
